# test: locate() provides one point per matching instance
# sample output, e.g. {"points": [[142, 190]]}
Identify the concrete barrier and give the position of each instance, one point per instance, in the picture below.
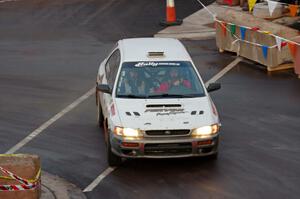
{"points": [[20, 176]]}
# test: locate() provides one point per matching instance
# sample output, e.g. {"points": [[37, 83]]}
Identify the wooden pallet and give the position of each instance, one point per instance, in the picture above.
{"points": [[269, 69], [281, 67]]}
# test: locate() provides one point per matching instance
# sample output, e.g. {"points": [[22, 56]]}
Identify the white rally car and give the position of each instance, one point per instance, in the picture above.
{"points": [[152, 102]]}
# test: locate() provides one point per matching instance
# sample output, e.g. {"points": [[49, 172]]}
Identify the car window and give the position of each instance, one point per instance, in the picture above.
{"points": [[159, 80], [111, 67]]}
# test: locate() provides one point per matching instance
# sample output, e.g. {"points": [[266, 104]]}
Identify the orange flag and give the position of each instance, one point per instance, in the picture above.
{"points": [[297, 61], [223, 25], [293, 10], [293, 48]]}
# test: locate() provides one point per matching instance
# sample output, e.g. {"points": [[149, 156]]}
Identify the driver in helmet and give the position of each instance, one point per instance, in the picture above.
{"points": [[174, 80]]}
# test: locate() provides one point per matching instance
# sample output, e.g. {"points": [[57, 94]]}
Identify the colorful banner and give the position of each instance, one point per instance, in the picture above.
{"points": [[255, 28], [251, 4], [283, 44], [243, 32], [232, 29], [293, 48], [278, 42], [265, 51], [223, 25], [297, 61], [272, 5], [266, 32]]}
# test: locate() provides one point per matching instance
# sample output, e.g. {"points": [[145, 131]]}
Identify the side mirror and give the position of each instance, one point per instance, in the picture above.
{"points": [[213, 86], [104, 88]]}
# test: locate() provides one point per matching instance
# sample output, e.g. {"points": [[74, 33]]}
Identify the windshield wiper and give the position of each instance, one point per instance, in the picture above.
{"points": [[172, 95], [132, 96]]}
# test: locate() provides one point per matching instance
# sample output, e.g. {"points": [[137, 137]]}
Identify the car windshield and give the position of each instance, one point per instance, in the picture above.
{"points": [[158, 80]]}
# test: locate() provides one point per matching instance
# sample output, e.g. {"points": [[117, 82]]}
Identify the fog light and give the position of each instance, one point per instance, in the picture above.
{"points": [[134, 152], [130, 144], [205, 142]]}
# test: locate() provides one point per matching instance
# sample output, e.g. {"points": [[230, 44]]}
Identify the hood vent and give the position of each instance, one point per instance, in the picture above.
{"points": [[163, 105], [195, 112], [134, 113], [128, 113]]}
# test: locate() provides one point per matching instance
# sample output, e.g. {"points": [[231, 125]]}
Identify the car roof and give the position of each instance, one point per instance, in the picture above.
{"points": [[137, 49]]}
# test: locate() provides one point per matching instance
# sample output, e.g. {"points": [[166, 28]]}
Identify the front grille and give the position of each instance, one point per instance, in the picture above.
{"points": [[167, 132], [168, 149]]}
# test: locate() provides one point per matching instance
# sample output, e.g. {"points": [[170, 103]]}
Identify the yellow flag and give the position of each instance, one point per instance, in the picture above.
{"points": [[267, 32], [251, 4]]}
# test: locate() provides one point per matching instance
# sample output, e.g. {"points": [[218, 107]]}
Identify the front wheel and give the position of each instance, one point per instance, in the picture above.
{"points": [[112, 159], [213, 156]]}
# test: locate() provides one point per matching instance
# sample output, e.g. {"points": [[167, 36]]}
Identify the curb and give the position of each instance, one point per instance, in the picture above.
{"points": [[54, 187], [197, 26], [203, 35]]}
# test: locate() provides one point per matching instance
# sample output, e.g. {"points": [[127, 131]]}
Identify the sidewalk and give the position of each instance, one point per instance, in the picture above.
{"points": [[54, 187], [199, 25]]}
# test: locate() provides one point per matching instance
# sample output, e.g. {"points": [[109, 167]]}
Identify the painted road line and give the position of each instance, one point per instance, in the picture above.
{"points": [[105, 173], [44, 126], [4, 1], [224, 71]]}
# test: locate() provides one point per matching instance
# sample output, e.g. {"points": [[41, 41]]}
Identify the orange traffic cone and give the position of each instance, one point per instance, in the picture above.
{"points": [[171, 15]]}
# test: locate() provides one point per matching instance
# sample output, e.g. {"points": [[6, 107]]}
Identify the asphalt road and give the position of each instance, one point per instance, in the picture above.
{"points": [[50, 52]]}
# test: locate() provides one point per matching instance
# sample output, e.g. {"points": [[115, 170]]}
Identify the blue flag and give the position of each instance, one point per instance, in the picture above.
{"points": [[265, 51], [243, 32]]}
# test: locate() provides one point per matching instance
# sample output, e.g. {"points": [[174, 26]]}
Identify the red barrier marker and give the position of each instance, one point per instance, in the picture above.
{"points": [[171, 15]]}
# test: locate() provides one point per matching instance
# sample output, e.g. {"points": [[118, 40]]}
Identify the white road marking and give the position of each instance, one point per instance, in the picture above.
{"points": [[224, 71], [3, 1], [105, 173], [44, 126]]}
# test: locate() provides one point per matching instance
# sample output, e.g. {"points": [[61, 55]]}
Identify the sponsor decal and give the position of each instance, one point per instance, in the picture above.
{"points": [[112, 110], [155, 64], [165, 111]]}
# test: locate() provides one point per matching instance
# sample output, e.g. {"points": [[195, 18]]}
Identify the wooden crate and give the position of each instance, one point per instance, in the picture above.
{"points": [[276, 60]]}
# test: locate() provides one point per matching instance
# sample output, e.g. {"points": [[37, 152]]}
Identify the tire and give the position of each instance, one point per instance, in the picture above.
{"points": [[112, 159], [100, 118], [213, 156]]}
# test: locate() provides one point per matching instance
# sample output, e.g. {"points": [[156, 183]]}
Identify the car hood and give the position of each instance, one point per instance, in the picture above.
{"points": [[152, 114]]}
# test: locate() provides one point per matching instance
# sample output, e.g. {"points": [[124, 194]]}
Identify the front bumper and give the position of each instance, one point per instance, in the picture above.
{"points": [[174, 147]]}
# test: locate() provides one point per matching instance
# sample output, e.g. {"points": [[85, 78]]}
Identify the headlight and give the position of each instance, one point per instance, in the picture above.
{"points": [[128, 132], [206, 130]]}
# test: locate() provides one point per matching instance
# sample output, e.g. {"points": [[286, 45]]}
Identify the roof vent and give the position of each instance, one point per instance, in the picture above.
{"points": [[156, 54], [163, 105]]}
